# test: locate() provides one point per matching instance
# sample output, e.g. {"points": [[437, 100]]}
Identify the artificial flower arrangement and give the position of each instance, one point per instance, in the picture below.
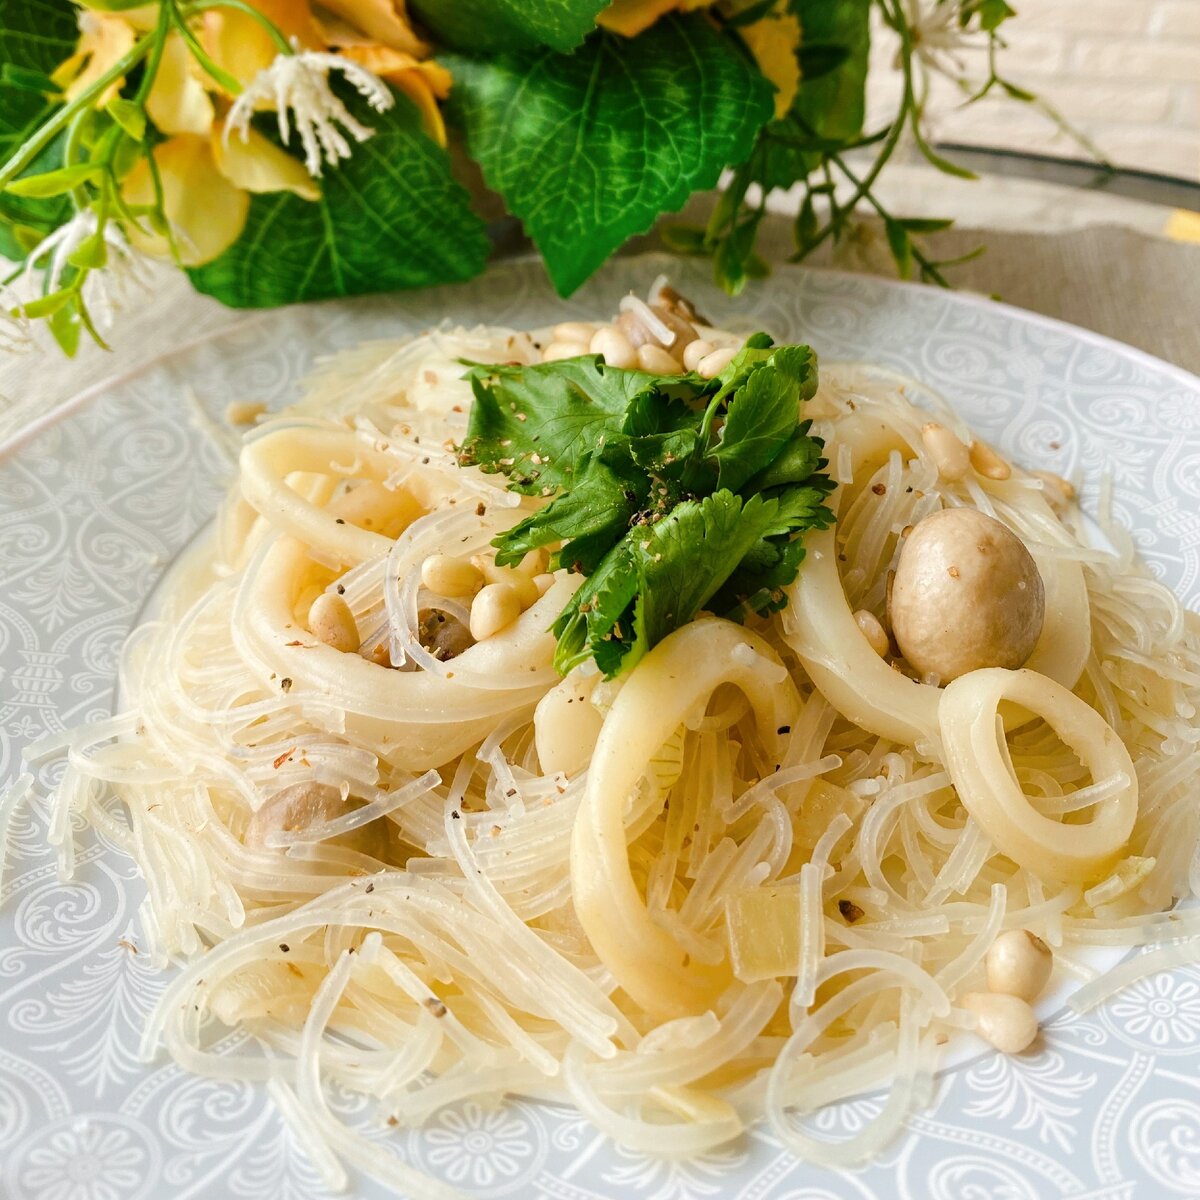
{"points": [[288, 150]]}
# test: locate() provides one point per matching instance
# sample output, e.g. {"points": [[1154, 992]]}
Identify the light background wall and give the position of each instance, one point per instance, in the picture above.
{"points": [[1126, 72]]}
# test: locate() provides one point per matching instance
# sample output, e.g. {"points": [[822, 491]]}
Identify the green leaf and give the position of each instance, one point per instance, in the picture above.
{"points": [[91, 253], [683, 239], [130, 116], [44, 306], [925, 224], [806, 222], [829, 107], [35, 37], [820, 58], [389, 217], [536, 424], [490, 26], [796, 463], [646, 492], [55, 183], [26, 80], [661, 576], [65, 326], [1017, 93], [589, 518], [763, 413], [935, 159], [591, 148], [993, 13], [900, 245]]}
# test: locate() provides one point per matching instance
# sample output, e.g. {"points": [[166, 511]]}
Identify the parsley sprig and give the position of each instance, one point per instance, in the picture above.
{"points": [[671, 493]]}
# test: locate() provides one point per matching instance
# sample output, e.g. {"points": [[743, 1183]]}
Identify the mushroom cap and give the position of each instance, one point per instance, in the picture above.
{"points": [[967, 595]]}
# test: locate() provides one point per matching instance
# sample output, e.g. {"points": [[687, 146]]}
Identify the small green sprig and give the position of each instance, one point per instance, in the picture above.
{"points": [[671, 493], [806, 148]]}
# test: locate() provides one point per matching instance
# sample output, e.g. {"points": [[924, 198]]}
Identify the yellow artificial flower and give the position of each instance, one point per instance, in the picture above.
{"points": [[383, 21], [774, 41], [178, 102], [240, 45], [631, 17], [259, 165], [424, 83], [205, 190], [103, 41], [206, 211]]}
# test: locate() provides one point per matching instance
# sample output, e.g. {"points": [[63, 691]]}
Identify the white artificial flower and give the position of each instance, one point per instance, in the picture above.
{"points": [[14, 324], [938, 38], [299, 82], [105, 289]]}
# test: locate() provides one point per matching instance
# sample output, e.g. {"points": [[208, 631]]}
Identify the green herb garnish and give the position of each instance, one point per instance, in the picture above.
{"points": [[671, 493]]}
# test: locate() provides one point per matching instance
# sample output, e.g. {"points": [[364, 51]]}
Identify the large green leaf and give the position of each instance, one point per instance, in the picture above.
{"points": [[482, 26], [588, 149], [35, 36], [390, 217], [829, 108]]}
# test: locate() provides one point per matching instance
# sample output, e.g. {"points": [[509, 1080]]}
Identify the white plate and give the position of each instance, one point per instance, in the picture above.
{"points": [[103, 495]]}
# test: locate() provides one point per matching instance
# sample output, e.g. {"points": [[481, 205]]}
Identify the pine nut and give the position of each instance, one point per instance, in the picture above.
{"points": [[693, 352], [614, 347], [988, 463], [243, 412], [1059, 491], [447, 576], [872, 630], [558, 350], [1006, 1021], [510, 577], [713, 364], [574, 331], [655, 359], [1019, 964], [495, 608], [332, 622], [534, 563], [543, 583], [946, 449]]}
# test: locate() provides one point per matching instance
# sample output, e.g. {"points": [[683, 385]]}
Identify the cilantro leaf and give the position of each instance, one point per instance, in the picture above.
{"points": [[671, 493], [536, 424], [661, 115], [391, 216], [607, 491], [763, 413], [799, 459], [662, 575]]}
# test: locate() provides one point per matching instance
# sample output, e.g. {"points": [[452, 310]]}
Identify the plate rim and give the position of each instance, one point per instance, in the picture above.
{"points": [[15, 442]]}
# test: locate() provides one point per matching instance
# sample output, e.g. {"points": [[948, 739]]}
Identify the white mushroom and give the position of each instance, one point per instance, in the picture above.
{"points": [[967, 594]]}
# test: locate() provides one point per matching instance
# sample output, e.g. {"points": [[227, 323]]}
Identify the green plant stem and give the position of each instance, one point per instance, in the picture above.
{"points": [[929, 268], [862, 187], [199, 6], [222, 77], [45, 134], [160, 42]]}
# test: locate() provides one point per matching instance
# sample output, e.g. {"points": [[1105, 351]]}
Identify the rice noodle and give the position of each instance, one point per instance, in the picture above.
{"points": [[763, 893]]}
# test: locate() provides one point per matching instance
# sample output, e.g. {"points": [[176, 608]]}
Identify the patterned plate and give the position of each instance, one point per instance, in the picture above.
{"points": [[98, 502]]}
